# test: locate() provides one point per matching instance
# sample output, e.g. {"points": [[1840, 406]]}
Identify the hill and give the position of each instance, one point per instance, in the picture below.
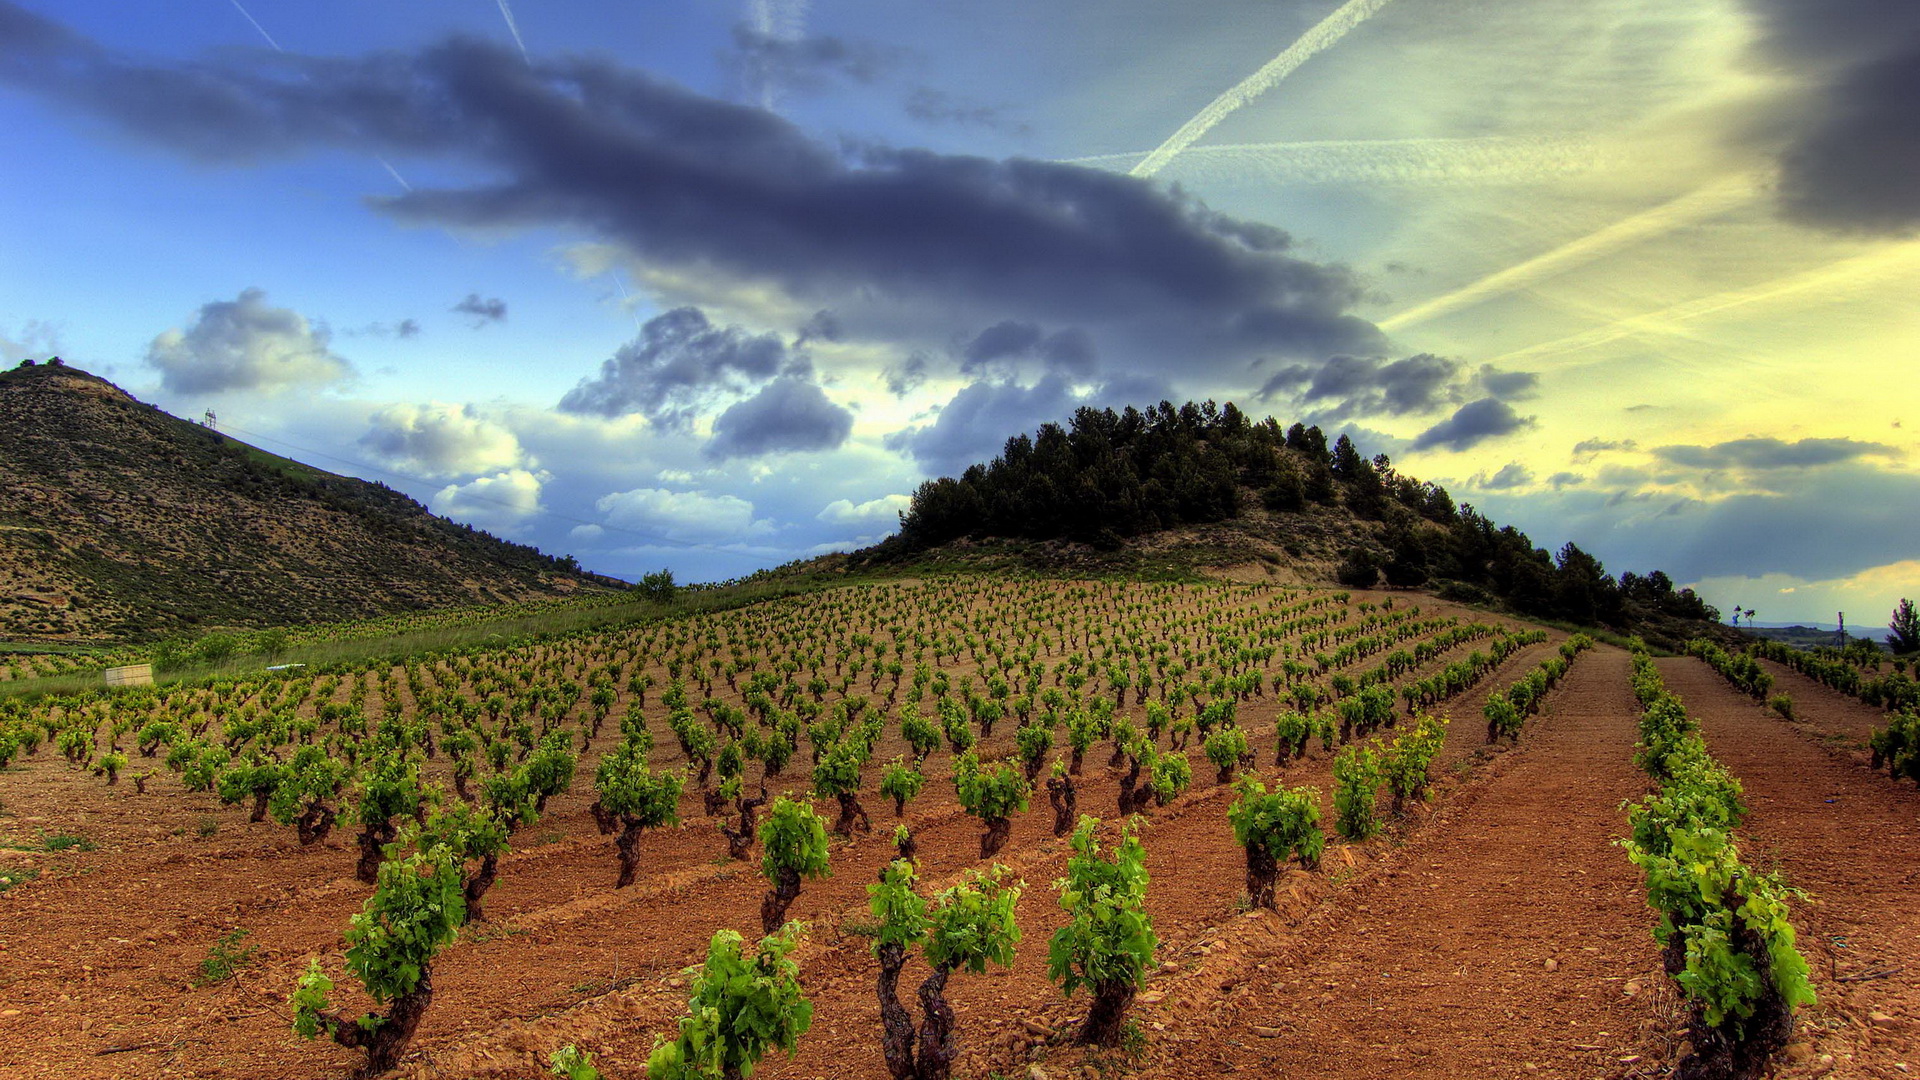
{"points": [[120, 521], [1204, 485]]}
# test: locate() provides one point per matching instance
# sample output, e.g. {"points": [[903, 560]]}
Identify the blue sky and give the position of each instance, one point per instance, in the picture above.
{"points": [[714, 285]]}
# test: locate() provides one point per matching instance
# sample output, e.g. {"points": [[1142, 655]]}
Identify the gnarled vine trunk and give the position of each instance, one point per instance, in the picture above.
{"points": [[1262, 872], [995, 838], [627, 845], [373, 839], [314, 824], [1111, 997], [897, 1032], [602, 818], [1739, 1049], [475, 888], [850, 809], [388, 1040], [1065, 800], [1133, 798], [938, 1046], [773, 908], [740, 840]]}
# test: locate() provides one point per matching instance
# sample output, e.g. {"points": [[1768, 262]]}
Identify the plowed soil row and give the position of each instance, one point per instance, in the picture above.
{"points": [[1509, 940], [1841, 718], [1851, 838]]}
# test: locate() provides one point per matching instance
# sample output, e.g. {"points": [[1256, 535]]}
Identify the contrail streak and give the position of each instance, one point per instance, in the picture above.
{"points": [[774, 20], [1331, 29], [1481, 159], [514, 29], [244, 13], [393, 172], [1857, 269], [1707, 202], [783, 19]]}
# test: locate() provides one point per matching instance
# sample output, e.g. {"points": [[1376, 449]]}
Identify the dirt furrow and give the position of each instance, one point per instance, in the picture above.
{"points": [[1849, 837], [1511, 940]]}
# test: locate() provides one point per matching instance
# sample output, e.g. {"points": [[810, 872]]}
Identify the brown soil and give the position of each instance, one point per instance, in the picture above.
{"points": [[1838, 719], [1847, 836], [96, 956], [1508, 938]]}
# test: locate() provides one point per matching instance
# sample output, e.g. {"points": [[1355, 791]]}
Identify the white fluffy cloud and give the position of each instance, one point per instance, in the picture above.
{"points": [[243, 344], [690, 516], [500, 503], [441, 441], [884, 510]]}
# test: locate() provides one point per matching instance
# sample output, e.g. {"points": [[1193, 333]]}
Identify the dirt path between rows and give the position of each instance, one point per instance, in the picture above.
{"points": [[1510, 939], [1849, 837], [1842, 717]]}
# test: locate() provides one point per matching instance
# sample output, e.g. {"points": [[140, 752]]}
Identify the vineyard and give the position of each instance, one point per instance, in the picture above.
{"points": [[972, 827]]}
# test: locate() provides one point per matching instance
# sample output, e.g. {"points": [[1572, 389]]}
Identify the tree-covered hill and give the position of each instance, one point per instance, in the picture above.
{"points": [[1111, 479]]}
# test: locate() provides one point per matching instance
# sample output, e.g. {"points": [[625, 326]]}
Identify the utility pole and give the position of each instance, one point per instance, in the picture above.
{"points": [[1843, 630]]}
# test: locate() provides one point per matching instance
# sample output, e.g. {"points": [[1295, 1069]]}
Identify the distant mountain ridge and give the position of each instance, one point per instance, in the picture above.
{"points": [[120, 521]]}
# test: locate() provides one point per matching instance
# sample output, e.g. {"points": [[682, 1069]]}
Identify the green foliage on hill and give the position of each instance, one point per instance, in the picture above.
{"points": [[1108, 477]]}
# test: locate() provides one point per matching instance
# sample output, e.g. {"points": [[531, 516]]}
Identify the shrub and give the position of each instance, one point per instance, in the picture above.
{"points": [[305, 796], [837, 776], [1356, 777], [964, 929], [572, 1063], [1171, 774], [1274, 828], [1109, 941], [416, 910], [224, 957], [901, 782], [1226, 748], [740, 1007], [1408, 759], [992, 793], [389, 787], [633, 798], [793, 844], [1032, 743]]}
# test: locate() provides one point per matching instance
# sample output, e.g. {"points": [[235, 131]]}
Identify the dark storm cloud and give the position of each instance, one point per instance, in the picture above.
{"points": [[1471, 424], [906, 376], [824, 326], [1070, 351], [1511, 475], [930, 106], [1850, 162], [1587, 449], [762, 61], [720, 191], [790, 413], [1349, 386], [1772, 453], [976, 423], [483, 311], [674, 366]]}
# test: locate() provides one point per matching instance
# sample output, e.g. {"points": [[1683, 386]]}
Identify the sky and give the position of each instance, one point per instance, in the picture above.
{"points": [[713, 285]]}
